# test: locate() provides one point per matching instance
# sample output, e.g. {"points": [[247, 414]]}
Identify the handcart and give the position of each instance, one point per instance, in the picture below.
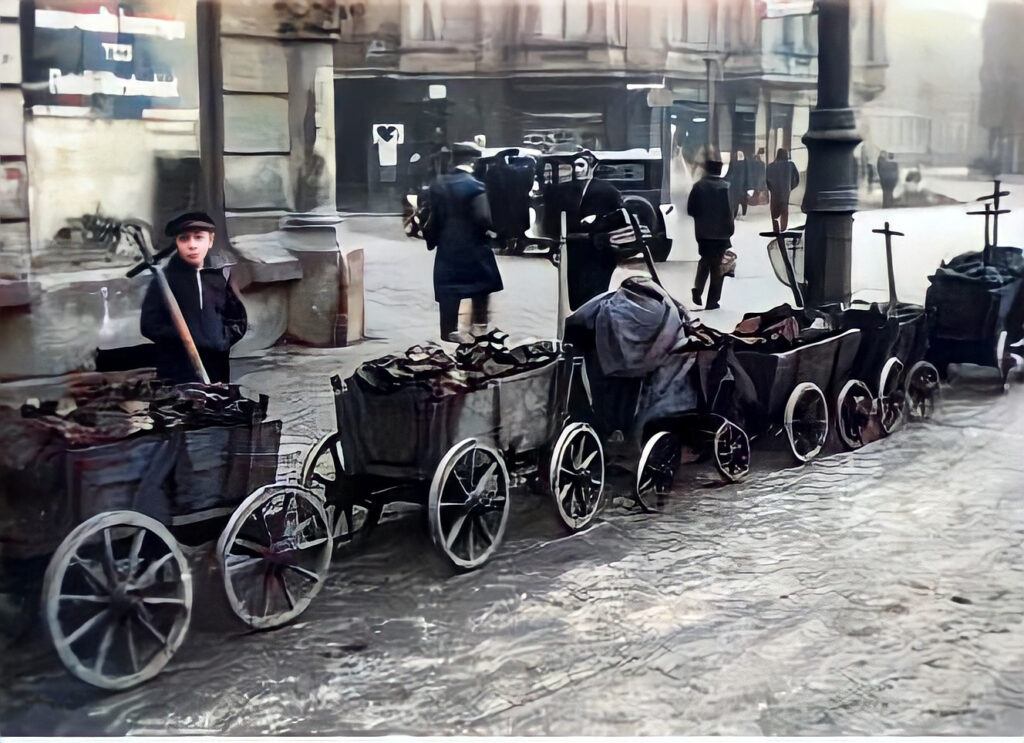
{"points": [[117, 594], [666, 394], [976, 304], [456, 455], [795, 378], [890, 378]]}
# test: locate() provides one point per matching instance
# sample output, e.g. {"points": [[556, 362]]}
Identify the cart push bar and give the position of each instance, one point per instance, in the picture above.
{"points": [[138, 233], [888, 264], [780, 240]]}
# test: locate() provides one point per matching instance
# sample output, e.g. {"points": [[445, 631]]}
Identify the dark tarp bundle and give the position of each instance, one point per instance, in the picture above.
{"points": [[648, 361]]}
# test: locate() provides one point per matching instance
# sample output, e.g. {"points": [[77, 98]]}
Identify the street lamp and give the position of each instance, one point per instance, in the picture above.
{"points": [[830, 196]]}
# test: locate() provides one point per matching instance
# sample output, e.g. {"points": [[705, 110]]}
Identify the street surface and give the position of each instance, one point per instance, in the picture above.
{"points": [[879, 592]]}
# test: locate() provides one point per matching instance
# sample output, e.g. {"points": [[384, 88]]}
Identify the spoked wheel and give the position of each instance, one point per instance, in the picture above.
{"points": [[892, 402], [853, 412], [117, 599], [731, 449], [469, 504], [806, 421], [351, 521], [1004, 359], [274, 555], [922, 390], [577, 475], [656, 470]]}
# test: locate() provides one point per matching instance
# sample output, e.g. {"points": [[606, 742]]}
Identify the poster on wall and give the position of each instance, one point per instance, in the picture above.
{"points": [[254, 66], [257, 181], [387, 137], [115, 59]]}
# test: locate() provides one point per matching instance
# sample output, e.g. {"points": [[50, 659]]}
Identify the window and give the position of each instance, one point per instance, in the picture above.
{"points": [[620, 172], [440, 20], [690, 21], [575, 20]]}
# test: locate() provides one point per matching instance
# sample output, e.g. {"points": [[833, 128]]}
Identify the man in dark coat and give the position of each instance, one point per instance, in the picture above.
{"points": [[591, 262], [782, 177], [713, 223], [214, 314], [756, 173], [888, 177], [464, 266], [738, 183], [508, 184]]}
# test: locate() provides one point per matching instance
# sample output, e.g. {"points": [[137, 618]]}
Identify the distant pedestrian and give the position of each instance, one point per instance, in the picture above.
{"points": [[464, 266], [737, 176], [782, 177], [888, 177], [756, 179], [713, 224]]}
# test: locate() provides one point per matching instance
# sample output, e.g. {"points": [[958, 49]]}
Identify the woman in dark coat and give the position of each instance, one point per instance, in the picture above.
{"points": [[739, 181], [464, 266]]}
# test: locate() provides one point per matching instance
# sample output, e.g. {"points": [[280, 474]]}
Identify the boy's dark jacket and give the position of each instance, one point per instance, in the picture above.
{"points": [[215, 328]]}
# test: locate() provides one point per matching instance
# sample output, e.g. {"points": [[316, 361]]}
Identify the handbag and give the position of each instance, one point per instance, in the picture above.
{"points": [[728, 265]]}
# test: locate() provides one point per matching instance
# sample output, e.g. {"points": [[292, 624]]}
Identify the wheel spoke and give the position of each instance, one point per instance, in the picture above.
{"points": [[311, 544], [93, 576], [108, 557], [564, 496], [85, 598], [481, 484], [161, 601], [455, 530], [482, 523], [237, 562], [133, 557], [86, 627], [250, 545], [149, 576], [142, 614], [101, 656], [287, 592], [303, 571], [567, 471], [586, 462], [469, 542], [266, 590], [133, 654]]}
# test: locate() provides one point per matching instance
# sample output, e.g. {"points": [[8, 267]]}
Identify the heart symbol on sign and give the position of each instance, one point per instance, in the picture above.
{"points": [[387, 133]]}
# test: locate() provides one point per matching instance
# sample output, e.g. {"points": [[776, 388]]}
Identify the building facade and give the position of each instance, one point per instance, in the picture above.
{"points": [[611, 74]]}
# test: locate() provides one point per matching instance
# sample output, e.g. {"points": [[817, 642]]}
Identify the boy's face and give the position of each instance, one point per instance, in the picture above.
{"points": [[193, 246]]}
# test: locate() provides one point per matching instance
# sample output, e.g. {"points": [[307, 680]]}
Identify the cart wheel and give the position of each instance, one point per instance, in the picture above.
{"points": [[274, 555], [322, 468], [576, 475], [732, 452], [922, 390], [117, 599], [891, 401], [656, 470], [853, 413], [806, 421], [469, 504], [1005, 360]]}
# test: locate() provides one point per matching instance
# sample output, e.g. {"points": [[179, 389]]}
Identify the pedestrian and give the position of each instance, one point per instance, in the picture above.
{"points": [[591, 262], [888, 177], [212, 311], [782, 177], [713, 225], [464, 264], [737, 176], [758, 190]]}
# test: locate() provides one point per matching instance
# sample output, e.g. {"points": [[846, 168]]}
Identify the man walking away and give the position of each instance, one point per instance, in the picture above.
{"points": [[738, 183], [756, 171], [888, 177], [782, 177], [713, 226], [464, 265]]}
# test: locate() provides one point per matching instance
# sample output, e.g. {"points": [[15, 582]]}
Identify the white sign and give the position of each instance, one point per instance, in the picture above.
{"points": [[780, 8], [387, 137]]}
